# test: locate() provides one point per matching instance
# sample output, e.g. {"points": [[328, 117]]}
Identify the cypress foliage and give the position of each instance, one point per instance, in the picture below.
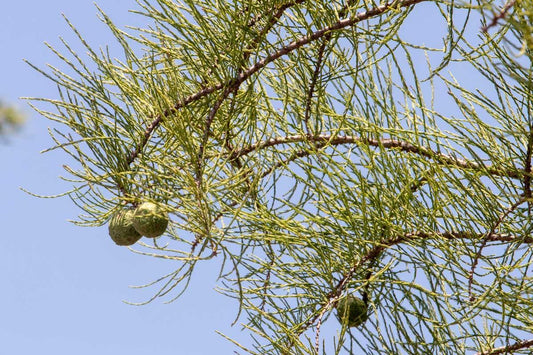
{"points": [[320, 149]]}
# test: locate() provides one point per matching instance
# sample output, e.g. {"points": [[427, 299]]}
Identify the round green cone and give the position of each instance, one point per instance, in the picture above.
{"points": [[150, 220], [352, 311], [121, 229]]}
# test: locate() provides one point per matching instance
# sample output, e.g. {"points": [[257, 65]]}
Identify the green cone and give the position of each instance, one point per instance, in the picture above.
{"points": [[150, 220], [352, 311], [121, 228]]}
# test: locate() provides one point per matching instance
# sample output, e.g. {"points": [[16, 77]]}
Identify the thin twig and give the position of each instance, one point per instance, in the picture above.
{"points": [[147, 133], [508, 348], [275, 15], [207, 131], [267, 277], [499, 16], [318, 68], [485, 240], [310, 93], [298, 154], [527, 170]]}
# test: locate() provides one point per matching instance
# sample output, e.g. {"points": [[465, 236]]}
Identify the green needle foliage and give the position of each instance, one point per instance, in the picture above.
{"points": [[319, 149]]}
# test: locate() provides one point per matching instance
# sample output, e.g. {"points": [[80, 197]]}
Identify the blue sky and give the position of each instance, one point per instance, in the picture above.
{"points": [[63, 285]]}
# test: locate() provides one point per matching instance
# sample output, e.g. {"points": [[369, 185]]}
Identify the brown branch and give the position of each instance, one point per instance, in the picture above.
{"points": [[500, 16], [206, 91], [318, 68], [233, 87], [527, 170], [334, 296], [486, 240], [493, 237], [375, 252], [317, 335], [339, 25], [275, 15], [326, 139], [508, 348], [244, 75], [207, 130], [147, 133]]}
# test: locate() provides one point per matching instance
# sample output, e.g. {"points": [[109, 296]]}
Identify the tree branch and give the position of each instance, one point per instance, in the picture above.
{"points": [[375, 252], [499, 16], [275, 15], [244, 75], [318, 68], [527, 169], [233, 87], [485, 240], [326, 139], [507, 349]]}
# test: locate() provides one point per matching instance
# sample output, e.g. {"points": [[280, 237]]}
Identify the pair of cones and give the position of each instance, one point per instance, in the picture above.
{"points": [[128, 225]]}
